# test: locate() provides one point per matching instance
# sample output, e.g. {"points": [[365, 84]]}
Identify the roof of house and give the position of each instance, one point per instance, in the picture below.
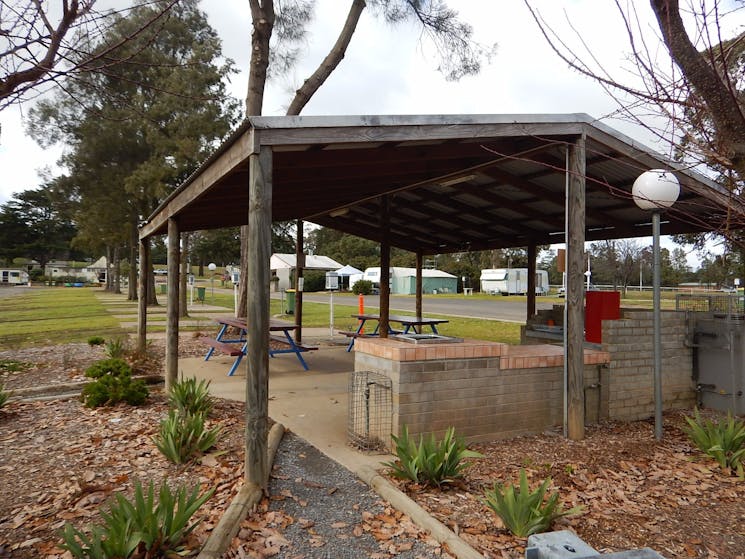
{"points": [[282, 261]]}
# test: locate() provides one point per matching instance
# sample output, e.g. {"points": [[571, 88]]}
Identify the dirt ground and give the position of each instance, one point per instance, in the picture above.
{"points": [[61, 461]]}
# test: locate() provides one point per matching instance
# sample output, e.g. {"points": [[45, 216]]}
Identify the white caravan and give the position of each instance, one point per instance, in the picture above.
{"points": [[512, 281]]}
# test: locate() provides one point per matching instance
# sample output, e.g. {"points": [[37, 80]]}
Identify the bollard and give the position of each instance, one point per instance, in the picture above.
{"points": [[361, 309]]}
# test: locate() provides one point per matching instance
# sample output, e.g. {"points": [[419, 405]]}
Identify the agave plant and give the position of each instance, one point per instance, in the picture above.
{"points": [[525, 512], [430, 462], [142, 526], [723, 440]]}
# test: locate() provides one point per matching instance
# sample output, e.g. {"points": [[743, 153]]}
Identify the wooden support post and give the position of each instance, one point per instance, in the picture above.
{"points": [[144, 246], [299, 267], [385, 265], [531, 279], [575, 325], [172, 298], [257, 316], [419, 283]]}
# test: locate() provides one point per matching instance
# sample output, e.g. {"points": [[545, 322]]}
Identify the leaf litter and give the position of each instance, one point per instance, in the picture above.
{"points": [[61, 463]]}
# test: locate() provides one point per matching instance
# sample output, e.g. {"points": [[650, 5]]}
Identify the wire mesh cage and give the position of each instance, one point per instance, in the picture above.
{"points": [[370, 409], [709, 303]]}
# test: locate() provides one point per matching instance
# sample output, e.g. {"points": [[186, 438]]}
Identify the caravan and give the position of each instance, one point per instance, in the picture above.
{"points": [[512, 281]]}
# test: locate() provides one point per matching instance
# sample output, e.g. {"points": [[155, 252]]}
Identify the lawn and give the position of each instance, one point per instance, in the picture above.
{"points": [[60, 315], [54, 316]]}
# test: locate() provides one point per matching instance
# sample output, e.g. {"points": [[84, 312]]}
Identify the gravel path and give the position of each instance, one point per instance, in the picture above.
{"points": [[325, 511]]}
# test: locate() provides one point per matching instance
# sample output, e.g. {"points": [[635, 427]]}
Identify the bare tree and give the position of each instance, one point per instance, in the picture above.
{"points": [[40, 43], [697, 90]]}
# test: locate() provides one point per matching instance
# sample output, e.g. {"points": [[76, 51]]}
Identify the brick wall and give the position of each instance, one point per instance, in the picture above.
{"points": [[630, 372], [479, 399]]}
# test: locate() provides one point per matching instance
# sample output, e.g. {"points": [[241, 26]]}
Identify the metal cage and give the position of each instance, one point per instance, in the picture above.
{"points": [[370, 410]]}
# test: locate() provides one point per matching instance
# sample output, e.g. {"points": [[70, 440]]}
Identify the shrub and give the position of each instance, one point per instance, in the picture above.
{"points": [[113, 384], [184, 436], [723, 440], [141, 526], [314, 280], [12, 366], [3, 396], [362, 287], [525, 512], [190, 397], [116, 348], [96, 340], [430, 462]]}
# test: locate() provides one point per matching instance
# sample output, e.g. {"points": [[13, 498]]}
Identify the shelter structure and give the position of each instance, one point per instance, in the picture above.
{"points": [[429, 184]]}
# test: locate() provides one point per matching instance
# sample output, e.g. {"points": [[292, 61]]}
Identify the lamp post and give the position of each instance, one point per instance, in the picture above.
{"points": [[212, 267], [656, 190]]}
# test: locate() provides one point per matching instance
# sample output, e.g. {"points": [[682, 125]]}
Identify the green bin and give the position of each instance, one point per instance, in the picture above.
{"points": [[290, 301], [200, 293], [163, 288]]}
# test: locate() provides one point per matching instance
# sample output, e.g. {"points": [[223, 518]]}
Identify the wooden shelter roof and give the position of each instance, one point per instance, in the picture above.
{"points": [[457, 182]]}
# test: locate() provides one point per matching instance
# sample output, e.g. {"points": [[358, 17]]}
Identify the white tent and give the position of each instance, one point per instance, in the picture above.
{"points": [[351, 273]]}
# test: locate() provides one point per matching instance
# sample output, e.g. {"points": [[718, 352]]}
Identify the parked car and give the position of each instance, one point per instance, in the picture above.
{"points": [[728, 289]]}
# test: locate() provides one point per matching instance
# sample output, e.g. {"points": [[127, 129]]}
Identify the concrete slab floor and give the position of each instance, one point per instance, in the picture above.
{"points": [[312, 404]]}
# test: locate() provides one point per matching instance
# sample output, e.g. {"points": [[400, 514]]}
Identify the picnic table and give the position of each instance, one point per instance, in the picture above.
{"points": [[408, 323], [236, 347]]}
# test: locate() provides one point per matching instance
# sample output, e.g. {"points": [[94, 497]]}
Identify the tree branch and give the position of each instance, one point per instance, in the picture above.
{"points": [[332, 60]]}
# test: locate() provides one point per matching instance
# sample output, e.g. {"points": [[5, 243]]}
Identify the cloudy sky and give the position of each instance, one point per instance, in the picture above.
{"points": [[393, 70]]}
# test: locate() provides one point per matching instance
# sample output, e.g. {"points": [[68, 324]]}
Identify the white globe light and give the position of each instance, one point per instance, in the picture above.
{"points": [[212, 266], [655, 189]]}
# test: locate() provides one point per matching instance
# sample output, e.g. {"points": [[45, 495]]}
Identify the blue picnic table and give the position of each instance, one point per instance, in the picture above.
{"points": [[408, 323], [236, 346]]}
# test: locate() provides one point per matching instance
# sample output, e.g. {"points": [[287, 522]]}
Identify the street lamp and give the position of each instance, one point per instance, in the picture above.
{"points": [[212, 267], [656, 190]]}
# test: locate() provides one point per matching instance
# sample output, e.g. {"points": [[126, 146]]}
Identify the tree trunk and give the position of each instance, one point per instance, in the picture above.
{"points": [[183, 309], [718, 95], [152, 300], [109, 270], [329, 64], [133, 244], [117, 272], [262, 15]]}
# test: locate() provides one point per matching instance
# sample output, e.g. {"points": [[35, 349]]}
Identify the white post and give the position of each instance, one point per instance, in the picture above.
{"points": [[331, 313]]}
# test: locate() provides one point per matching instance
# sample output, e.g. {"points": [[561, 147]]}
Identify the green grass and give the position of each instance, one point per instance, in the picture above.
{"points": [[48, 316], [317, 315]]}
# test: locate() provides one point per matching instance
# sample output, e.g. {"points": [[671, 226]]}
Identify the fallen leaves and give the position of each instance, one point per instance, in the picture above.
{"points": [[69, 471], [635, 492]]}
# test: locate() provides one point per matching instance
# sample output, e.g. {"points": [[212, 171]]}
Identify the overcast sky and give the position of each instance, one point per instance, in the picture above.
{"points": [[391, 70]]}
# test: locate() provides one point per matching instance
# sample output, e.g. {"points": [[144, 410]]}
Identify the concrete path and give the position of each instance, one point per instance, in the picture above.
{"points": [[312, 404]]}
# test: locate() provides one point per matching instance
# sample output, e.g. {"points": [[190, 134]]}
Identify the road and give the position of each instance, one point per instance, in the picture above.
{"points": [[495, 308]]}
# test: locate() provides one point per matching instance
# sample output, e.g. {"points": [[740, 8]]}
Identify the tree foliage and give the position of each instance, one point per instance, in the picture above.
{"points": [[31, 226], [150, 113]]}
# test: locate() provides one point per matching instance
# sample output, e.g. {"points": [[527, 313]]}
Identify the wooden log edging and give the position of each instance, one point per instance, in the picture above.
{"points": [[400, 501], [67, 389], [247, 499]]}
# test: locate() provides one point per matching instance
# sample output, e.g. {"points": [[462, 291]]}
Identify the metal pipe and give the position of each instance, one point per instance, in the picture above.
{"points": [[657, 327]]}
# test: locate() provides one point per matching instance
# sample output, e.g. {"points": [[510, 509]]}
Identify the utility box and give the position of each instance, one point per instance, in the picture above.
{"points": [[599, 306]]}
